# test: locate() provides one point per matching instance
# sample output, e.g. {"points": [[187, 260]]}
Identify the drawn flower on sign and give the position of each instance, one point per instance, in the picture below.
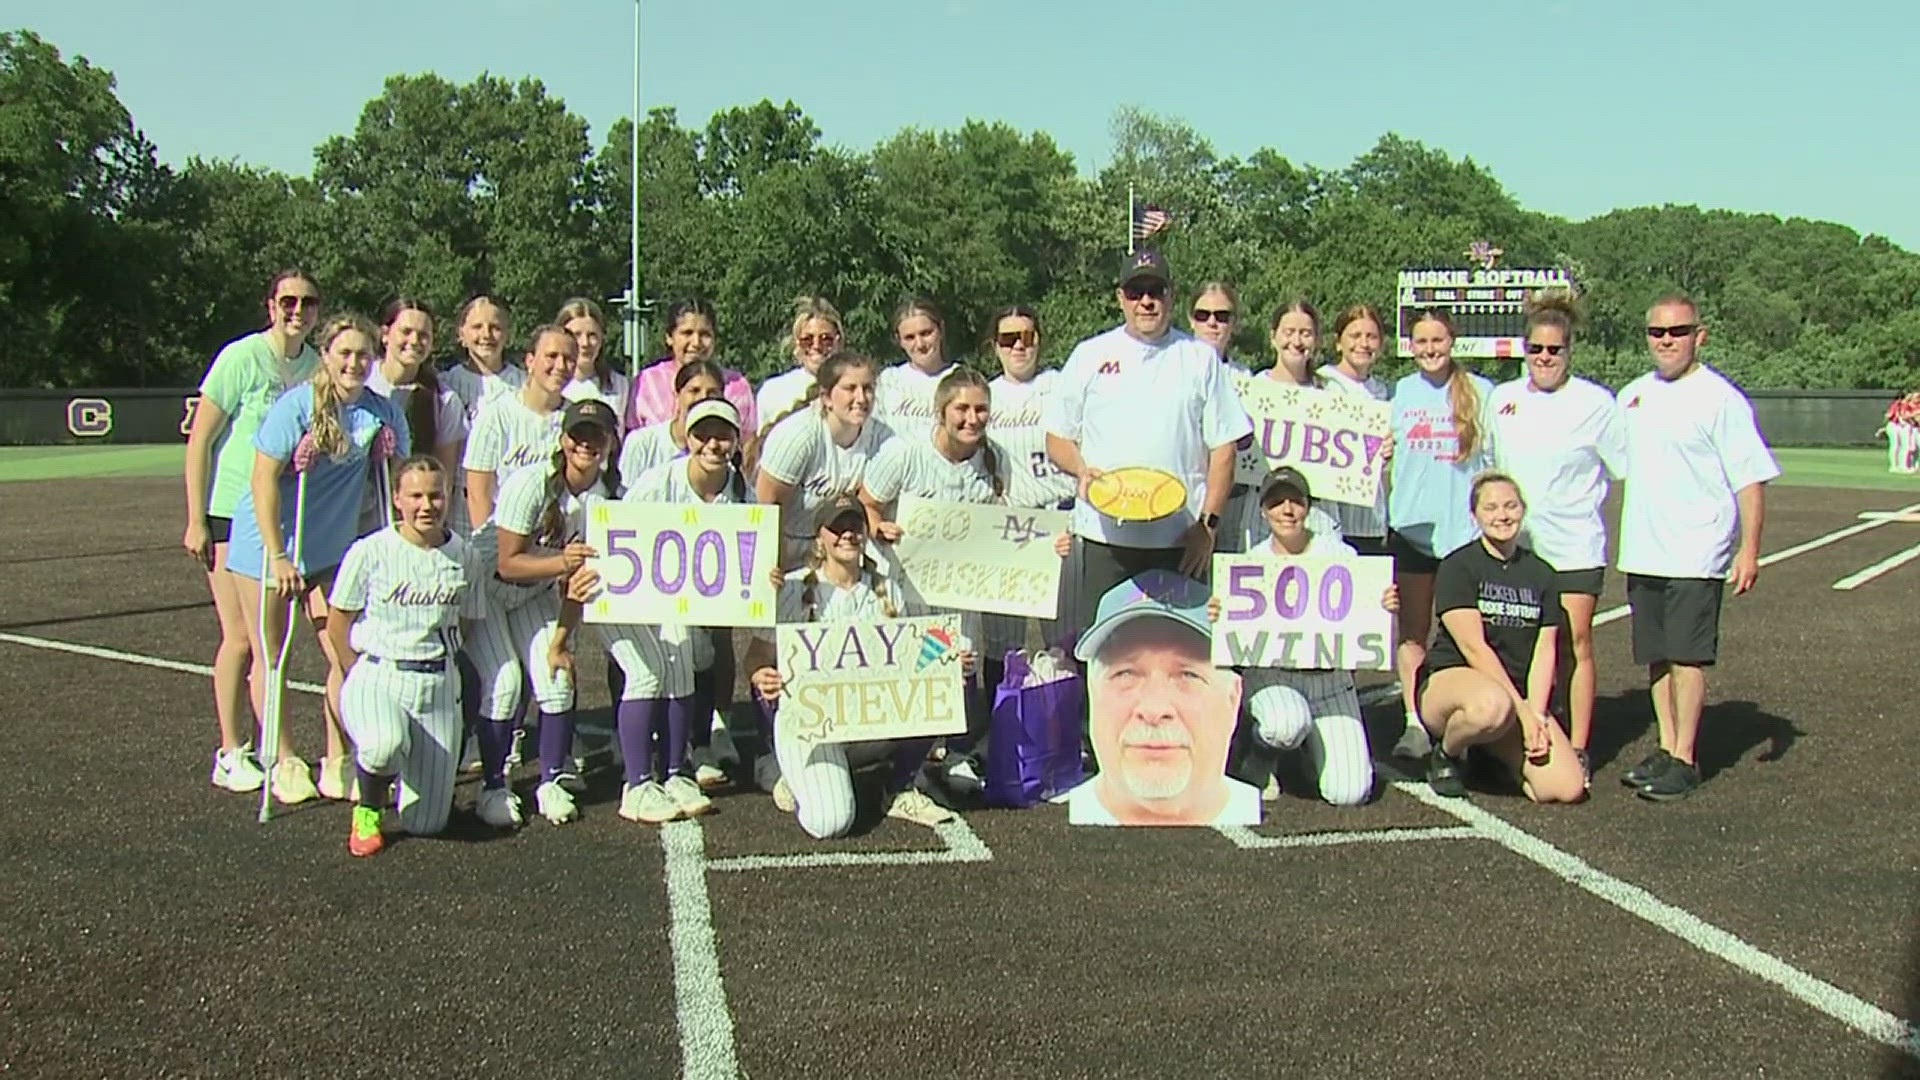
{"points": [[935, 645]]}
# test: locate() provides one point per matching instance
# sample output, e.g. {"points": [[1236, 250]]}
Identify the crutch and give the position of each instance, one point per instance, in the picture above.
{"points": [[276, 662], [382, 450]]}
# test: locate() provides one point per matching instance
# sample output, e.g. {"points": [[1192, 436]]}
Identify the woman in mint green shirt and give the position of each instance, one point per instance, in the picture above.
{"points": [[247, 376]]}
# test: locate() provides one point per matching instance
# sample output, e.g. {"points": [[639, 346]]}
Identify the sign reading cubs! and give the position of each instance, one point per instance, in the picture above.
{"points": [[855, 681], [1306, 614], [1334, 439]]}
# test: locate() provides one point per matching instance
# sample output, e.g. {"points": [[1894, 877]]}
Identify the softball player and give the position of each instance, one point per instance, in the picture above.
{"points": [[245, 379], [517, 431], [653, 445], [659, 695], [532, 539], [411, 587], [334, 410], [480, 376], [839, 583], [1357, 336], [1315, 709], [591, 379], [816, 334], [819, 452], [436, 417], [904, 396]]}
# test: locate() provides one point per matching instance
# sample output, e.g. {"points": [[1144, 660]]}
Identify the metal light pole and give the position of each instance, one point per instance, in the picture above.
{"points": [[631, 301]]}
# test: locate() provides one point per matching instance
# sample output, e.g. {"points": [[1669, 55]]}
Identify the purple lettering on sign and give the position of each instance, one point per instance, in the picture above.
{"points": [[1342, 577], [618, 549], [709, 541], [1290, 593], [1238, 590], [661, 583], [743, 543]]}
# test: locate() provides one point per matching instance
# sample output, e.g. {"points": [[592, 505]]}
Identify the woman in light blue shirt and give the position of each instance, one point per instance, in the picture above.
{"points": [[1440, 436]]}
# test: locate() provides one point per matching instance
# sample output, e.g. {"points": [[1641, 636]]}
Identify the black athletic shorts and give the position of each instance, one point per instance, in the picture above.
{"points": [[1368, 545], [1675, 620], [1584, 582], [1407, 556], [219, 529]]}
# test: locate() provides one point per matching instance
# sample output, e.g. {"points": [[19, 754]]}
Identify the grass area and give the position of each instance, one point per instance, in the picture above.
{"points": [[1804, 467]]}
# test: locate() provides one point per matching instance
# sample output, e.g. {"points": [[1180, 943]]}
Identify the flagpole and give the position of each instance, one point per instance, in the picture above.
{"points": [[1129, 217]]}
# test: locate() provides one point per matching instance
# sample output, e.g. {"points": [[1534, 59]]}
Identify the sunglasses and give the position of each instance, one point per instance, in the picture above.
{"points": [[1680, 331], [818, 341], [290, 304], [1224, 315], [1535, 348], [1017, 337], [1141, 292]]}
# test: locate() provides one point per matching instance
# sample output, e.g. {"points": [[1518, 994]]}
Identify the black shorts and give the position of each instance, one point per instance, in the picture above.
{"points": [[219, 529], [1408, 558], [1368, 545], [1675, 620], [1584, 582]]}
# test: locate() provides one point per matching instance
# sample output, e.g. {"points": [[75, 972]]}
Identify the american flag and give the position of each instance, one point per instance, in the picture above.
{"points": [[1149, 219]]}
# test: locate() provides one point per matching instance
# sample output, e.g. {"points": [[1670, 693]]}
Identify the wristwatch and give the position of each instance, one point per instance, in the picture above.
{"points": [[1211, 521]]}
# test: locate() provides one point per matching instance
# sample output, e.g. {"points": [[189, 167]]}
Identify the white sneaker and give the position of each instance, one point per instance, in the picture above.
{"points": [[498, 807], [235, 770], [914, 806], [687, 796], [513, 755], [707, 776], [783, 797], [555, 803], [964, 770], [335, 783], [291, 783], [1271, 793], [648, 802]]}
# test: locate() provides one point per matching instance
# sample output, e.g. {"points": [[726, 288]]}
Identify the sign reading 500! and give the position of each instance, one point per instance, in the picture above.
{"points": [[1314, 613], [973, 557], [693, 564]]}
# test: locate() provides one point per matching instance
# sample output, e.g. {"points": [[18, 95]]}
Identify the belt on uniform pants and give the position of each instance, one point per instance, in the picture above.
{"points": [[419, 667]]}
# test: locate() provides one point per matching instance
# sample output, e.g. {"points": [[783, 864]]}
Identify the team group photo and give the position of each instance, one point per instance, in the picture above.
{"points": [[1038, 596]]}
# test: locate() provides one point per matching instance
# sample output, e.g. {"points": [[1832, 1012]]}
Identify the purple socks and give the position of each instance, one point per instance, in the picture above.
{"points": [[679, 720], [556, 743], [496, 742], [639, 722]]}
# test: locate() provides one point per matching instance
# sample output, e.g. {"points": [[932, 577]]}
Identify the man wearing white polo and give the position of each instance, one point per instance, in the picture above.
{"points": [[1697, 470], [1144, 394]]}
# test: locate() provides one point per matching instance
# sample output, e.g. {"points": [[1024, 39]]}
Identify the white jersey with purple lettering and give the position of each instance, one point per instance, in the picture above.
{"points": [[401, 700], [644, 449], [510, 437], [1019, 425], [801, 453], [903, 397], [914, 466]]}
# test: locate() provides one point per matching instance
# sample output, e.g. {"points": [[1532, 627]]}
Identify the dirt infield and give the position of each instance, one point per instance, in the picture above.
{"points": [[1764, 927]]}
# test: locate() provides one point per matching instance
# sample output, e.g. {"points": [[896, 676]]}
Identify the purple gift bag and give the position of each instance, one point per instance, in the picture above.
{"points": [[1033, 742]]}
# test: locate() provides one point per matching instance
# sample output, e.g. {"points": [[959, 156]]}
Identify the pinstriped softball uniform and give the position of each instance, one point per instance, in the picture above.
{"points": [[474, 390], [1355, 519], [1317, 711], [645, 450], [512, 642], [915, 467], [1019, 424], [509, 438], [800, 452], [412, 600], [821, 776]]}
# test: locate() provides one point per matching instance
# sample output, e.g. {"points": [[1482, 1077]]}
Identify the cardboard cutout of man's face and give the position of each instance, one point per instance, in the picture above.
{"points": [[1162, 723]]}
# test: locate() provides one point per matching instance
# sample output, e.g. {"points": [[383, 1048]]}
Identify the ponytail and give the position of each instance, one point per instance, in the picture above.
{"points": [[423, 408], [1464, 397], [327, 425]]}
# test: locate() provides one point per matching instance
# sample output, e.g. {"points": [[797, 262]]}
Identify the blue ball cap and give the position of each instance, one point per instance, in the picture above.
{"points": [[1161, 593]]}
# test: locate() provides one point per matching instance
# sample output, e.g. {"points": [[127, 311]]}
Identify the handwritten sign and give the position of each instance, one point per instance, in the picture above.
{"points": [[694, 564], [1311, 613], [855, 681], [975, 557], [1334, 439]]}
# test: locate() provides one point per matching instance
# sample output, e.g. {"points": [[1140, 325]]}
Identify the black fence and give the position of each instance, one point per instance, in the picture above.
{"points": [[53, 417]]}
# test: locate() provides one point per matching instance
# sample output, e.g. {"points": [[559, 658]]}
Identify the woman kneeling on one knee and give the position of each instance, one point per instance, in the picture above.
{"points": [[1488, 676]]}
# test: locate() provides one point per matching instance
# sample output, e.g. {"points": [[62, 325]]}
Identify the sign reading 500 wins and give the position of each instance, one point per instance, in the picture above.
{"points": [[693, 564], [1488, 307]]}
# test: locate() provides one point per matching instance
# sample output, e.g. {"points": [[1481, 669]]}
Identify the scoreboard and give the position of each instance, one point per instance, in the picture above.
{"points": [[1488, 307]]}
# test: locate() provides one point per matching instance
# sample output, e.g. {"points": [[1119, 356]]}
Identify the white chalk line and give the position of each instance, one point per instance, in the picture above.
{"points": [[1248, 840], [959, 845], [98, 653], [1388, 691], [1891, 562], [699, 994], [1868, 1019]]}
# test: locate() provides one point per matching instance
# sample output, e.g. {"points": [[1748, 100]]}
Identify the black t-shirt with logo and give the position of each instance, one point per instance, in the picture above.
{"points": [[1515, 599]]}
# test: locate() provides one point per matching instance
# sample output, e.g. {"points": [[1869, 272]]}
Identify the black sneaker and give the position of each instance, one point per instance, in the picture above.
{"points": [[1673, 783], [1443, 775], [1650, 766]]}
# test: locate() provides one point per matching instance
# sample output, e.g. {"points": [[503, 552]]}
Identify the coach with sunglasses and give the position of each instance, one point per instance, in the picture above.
{"points": [[1144, 394], [1697, 470]]}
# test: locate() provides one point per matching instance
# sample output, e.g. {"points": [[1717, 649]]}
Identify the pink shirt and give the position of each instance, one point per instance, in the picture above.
{"points": [[652, 400]]}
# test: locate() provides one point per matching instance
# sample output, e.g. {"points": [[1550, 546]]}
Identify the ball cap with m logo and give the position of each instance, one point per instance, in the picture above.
{"points": [[1144, 266]]}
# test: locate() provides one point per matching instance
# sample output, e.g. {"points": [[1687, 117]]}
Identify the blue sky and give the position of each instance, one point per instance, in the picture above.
{"points": [[1784, 108]]}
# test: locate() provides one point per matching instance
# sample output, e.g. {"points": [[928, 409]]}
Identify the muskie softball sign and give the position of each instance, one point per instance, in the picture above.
{"points": [[1314, 614]]}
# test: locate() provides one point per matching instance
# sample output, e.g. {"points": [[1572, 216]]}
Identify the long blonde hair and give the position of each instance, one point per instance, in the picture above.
{"points": [[869, 572], [328, 427], [1462, 395]]}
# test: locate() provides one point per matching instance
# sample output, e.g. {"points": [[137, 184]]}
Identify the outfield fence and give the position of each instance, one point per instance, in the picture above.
{"points": [[55, 417]]}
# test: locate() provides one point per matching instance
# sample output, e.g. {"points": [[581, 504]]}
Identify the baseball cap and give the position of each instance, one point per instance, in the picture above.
{"points": [[712, 408], [590, 411], [835, 508], [1286, 476], [1148, 265], [1150, 593]]}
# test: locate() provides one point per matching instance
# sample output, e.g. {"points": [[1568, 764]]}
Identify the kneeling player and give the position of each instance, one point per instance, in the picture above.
{"points": [[398, 602], [1315, 709]]}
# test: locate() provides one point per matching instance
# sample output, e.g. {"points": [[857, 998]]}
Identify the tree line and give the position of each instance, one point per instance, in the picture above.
{"points": [[118, 270]]}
